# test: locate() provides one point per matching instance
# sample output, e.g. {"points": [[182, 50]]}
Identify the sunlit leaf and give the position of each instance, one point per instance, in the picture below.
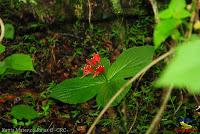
{"points": [[183, 70], [175, 10], [163, 30]]}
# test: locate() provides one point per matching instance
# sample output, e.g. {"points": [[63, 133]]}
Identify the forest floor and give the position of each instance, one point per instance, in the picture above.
{"points": [[59, 52]]}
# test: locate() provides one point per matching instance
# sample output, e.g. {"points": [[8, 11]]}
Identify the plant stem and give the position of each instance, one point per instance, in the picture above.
{"points": [[2, 30], [89, 11], [155, 10], [161, 110], [127, 84]]}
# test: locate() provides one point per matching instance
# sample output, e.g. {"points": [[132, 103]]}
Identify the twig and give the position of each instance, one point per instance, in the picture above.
{"points": [[196, 99], [155, 10], [2, 30], [89, 11], [192, 18], [161, 110], [180, 103], [136, 113], [125, 85]]}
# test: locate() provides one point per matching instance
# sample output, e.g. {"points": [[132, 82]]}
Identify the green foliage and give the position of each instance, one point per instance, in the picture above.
{"points": [[19, 62], [109, 89], [116, 6], [175, 10], [171, 18], [24, 112], [78, 90], [16, 63], [2, 48], [183, 70], [130, 62], [9, 31], [164, 29]]}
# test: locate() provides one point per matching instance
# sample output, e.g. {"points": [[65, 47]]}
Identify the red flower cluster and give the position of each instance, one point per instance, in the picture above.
{"points": [[93, 66]]}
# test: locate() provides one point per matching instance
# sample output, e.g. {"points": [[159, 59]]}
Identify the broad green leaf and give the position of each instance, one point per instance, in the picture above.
{"points": [[21, 62], [177, 5], [77, 90], [163, 30], [168, 13], [24, 112], [2, 68], [2, 48], [175, 10], [130, 62], [9, 31], [106, 63], [108, 90], [183, 71], [176, 35], [165, 14], [181, 14]]}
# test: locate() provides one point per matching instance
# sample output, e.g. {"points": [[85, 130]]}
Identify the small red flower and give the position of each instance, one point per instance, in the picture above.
{"points": [[94, 60], [93, 66], [99, 69], [87, 70], [90, 62]]}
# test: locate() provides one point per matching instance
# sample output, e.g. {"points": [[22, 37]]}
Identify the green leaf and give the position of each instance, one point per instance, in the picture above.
{"points": [[106, 63], [181, 14], [108, 90], [165, 14], [175, 10], [77, 90], [9, 31], [163, 30], [24, 112], [177, 5], [168, 13], [130, 62], [20, 62], [183, 70], [2, 68], [2, 48], [176, 35]]}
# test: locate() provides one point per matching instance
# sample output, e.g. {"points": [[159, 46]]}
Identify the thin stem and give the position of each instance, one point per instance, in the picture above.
{"points": [[89, 11], [161, 110], [2, 30], [125, 85], [136, 113], [155, 10], [192, 18], [196, 99]]}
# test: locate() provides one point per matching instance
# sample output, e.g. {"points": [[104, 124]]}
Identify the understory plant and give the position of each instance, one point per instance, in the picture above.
{"points": [[107, 78], [15, 63], [182, 71]]}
